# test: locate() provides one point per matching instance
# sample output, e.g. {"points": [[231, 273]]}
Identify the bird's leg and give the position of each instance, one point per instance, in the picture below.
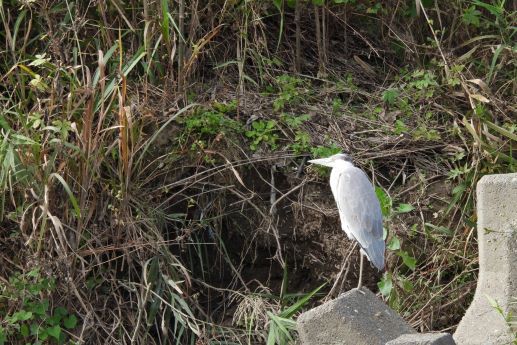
{"points": [[360, 284]]}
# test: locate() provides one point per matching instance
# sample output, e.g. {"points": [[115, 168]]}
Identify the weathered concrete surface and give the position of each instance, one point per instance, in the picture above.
{"points": [[423, 339], [357, 317], [497, 237]]}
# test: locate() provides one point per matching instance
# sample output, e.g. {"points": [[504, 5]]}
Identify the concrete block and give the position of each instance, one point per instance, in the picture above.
{"points": [[423, 339], [497, 240], [357, 317]]}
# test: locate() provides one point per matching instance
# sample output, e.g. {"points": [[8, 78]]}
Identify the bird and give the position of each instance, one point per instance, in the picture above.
{"points": [[359, 209]]}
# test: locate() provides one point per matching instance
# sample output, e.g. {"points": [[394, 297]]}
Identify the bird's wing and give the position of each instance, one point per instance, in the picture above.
{"points": [[360, 212]]}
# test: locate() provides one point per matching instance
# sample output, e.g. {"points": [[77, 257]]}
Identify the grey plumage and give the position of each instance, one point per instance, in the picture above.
{"points": [[358, 206]]}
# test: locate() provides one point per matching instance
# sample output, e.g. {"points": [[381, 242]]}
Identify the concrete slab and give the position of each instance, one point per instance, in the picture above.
{"points": [[497, 238], [423, 339], [357, 317]]}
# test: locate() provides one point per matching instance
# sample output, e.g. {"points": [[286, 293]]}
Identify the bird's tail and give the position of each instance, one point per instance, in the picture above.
{"points": [[375, 253]]}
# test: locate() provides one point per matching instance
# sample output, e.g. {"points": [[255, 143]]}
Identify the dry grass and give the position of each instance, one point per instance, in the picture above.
{"points": [[128, 179]]}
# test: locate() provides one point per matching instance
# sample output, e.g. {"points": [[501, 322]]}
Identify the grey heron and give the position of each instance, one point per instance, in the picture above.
{"points": [[358, 206]]}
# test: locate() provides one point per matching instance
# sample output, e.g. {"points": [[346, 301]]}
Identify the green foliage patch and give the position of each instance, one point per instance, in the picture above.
{"points": [[32, 320]]}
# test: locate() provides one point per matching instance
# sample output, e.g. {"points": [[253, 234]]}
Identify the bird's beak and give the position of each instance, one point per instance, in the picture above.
{"points": [[322, 161]]}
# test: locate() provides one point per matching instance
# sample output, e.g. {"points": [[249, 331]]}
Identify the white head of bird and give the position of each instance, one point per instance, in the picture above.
{"points": [[358, 206], [332, 161]]}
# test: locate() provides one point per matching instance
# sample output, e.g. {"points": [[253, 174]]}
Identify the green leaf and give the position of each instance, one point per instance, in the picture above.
{"points": [[384, 200], [291, 3], [40, 59], [406, 284], [471, 16], [374, 9], [70, 322], [21, 315], [60, 311], [325, 151], [287, 313], [494, 61], [4, 124], [40, 308], [295, 121], [408, 260], [444, 230], [459, 189], [68, 191], [272, 336], [165, 19], [414, 229], [43, 333], [279, 329], [386, 284], [24, 331], [400, 127], [54, 332], [35, 329], [494, 10], [23, 140], [3, 337], [132, 63], [405, 208], [394, 243], [54, 320], [318, 2], [494, 304]]}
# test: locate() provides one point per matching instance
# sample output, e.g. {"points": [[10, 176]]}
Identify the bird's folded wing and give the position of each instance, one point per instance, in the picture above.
{"points": [[360, 211]]}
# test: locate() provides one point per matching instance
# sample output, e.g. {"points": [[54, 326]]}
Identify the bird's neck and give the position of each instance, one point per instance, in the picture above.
{"points": [[343, 165]]}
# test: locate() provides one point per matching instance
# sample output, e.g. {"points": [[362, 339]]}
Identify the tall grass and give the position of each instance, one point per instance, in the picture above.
{"points": [[103, 189]]}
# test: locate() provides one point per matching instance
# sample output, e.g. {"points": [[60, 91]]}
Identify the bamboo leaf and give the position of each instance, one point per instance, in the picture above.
{"points": [[68, 191], [501, 130], [300, 303]]}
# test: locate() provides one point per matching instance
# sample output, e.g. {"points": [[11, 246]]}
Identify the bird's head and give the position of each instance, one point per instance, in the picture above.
{"points": [[332, 160]]}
